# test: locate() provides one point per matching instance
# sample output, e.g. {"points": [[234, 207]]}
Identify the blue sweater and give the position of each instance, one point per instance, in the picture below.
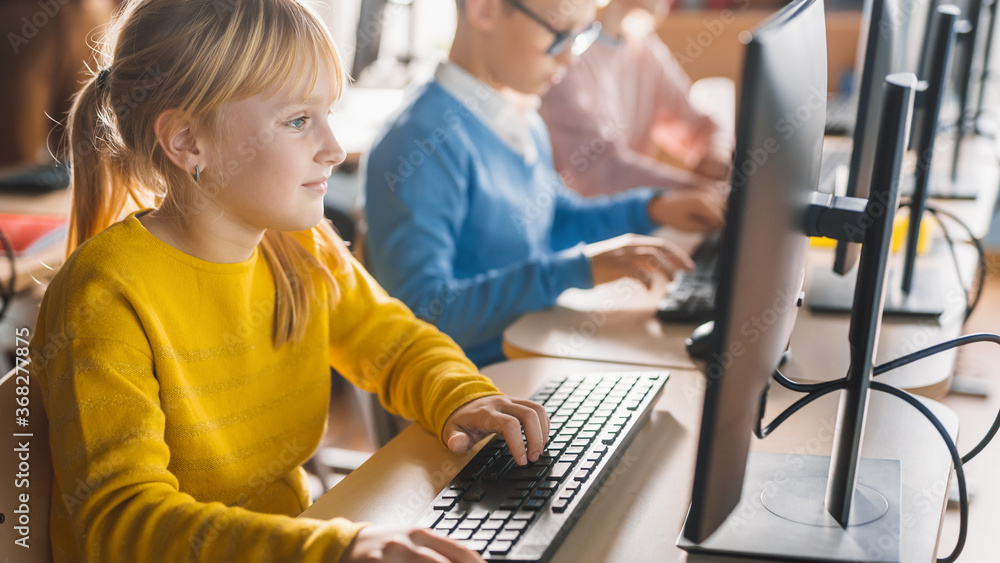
{"points": [[467, 233]]}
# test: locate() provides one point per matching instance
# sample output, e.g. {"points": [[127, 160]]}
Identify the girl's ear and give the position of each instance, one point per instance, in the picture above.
{"points": [[176, 136], [482, 14]]}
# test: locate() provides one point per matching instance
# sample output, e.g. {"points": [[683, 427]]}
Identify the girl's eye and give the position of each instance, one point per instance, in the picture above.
{"points": [[298, 122]]}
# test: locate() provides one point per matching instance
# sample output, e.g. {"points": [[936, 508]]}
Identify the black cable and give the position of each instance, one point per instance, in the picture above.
{"points": [[980, 250], [981, 269], [935, 349], [7, 294], [823, 389], [963, 494], [787, 383], [954, 260]]}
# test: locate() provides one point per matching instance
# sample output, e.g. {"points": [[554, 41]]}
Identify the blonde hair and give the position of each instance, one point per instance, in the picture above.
{"points": [[193, 56]]}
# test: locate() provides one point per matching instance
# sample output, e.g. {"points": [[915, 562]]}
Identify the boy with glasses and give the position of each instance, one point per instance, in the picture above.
{"points": [[469, 223]]}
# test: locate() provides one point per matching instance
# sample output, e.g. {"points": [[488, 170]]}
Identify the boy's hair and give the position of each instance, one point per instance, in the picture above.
{"points": [[194, 56]]}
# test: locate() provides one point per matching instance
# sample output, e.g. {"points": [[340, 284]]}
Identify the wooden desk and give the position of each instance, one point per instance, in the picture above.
{"points": [[638, 514], [615, 323]]}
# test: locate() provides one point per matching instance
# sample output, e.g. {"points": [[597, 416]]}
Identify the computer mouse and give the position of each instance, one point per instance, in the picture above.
{"points": [[701, 343]]}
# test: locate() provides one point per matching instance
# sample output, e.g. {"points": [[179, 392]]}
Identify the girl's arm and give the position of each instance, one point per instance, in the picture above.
{"points": [[378, 344]]}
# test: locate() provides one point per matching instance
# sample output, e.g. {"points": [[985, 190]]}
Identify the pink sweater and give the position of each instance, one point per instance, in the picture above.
{"points": [[620, 102]]}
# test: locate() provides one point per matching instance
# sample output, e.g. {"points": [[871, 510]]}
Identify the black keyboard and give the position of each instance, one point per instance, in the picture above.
{"points": [[508, 512], [691, 296]]}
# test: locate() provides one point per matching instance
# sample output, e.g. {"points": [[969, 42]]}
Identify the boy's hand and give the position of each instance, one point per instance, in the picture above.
{"points": [[699, 210], [402, 545], [716, 165], [635, 256], [501, 415]]}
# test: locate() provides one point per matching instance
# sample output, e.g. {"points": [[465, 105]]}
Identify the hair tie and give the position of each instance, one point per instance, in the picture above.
{"points": [[102, 78]]}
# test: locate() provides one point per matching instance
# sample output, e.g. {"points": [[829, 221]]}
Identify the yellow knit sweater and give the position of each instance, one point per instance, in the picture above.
{"points": [[178, 430]]}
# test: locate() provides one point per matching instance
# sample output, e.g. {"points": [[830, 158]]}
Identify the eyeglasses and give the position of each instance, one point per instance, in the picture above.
{"points": [[576, 41]]}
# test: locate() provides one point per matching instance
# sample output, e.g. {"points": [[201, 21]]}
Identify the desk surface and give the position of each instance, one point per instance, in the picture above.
{"points": [[638, 514], [615, 323]]}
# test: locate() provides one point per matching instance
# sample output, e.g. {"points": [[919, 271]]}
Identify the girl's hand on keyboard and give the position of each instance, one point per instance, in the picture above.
{"points": [[635, 256], [405, 545], [499, 414], [696, 210]]}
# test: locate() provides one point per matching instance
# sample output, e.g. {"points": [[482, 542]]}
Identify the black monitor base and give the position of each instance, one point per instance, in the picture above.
{"points": [[928, 299], [782, 515]]}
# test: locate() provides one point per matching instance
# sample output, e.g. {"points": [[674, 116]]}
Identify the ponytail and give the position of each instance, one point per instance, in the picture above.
{"points": [[100, 185]]}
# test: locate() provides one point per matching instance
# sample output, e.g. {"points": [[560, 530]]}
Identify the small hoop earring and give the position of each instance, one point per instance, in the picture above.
{"points": [[197, 173]]}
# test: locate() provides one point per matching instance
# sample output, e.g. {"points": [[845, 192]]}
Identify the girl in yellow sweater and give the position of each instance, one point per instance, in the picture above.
{"points": [[184, 352]]}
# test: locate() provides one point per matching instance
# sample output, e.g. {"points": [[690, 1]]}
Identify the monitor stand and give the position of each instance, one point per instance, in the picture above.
{"points": [[782, 514], [832, 293]]}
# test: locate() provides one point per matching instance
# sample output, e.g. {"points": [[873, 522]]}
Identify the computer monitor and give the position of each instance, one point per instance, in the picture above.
{"points": [[954, 95], [879, 55], [914, 295], [940, 40], [772, 212], [762, 267]]}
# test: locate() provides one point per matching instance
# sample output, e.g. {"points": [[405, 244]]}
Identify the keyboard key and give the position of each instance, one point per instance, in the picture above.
{"points": [[498, 470], [533, 504], [476, 545], [510, 504], [508, 535], [444, 504], [560, 470], [548, 485], [500, 547], [471, 472], [474, 495], [559, 505], [500, 515], [542, 494], [581, 475], [492, 524], [461, 534], [485, 535], [528, 473], [470, 524], [478, 515], [519, 494], [516, 525], [451, 494], [524, 515], [446, 525], [460, 485]]}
